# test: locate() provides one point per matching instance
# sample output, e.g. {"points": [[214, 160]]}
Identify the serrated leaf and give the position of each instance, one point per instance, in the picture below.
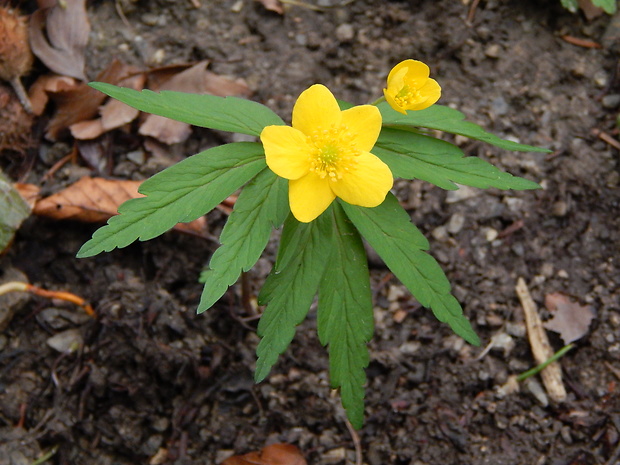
{"points": [[179, 194], [388, 229], [345, 315], [223, 113], [415, 156], [13, 210], [609, 6], [290, 288], [261, 206], [447, 119]]}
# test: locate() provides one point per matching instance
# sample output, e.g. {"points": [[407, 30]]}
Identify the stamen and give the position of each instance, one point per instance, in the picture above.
{"points": [[333, 152]]}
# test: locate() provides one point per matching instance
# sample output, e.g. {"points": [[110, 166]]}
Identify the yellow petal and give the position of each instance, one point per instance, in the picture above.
{"points": [[309, 196], [389, 98], [367, 184], [408, 71], [364, 122], [286, 151], [429, 94], [315, 108]]}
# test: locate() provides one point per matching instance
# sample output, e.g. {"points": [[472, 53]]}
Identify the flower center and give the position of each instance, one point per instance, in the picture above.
{"points": [[333, 152], [407, 96]]}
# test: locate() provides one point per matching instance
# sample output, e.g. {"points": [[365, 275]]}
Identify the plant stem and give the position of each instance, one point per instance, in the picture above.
{"points": [[526, 374]]}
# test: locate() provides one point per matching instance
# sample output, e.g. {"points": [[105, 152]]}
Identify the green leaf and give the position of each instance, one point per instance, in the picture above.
{"points": [[223, 113], [291, 286], [608, 5], [449, 120], [415, 156], [570, 5], [13, 210], [345, 315], [179, 194], [388, 229], [261, 206]]}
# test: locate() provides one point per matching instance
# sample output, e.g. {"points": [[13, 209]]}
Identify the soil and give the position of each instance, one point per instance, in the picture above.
{"points": [[152, 382]]}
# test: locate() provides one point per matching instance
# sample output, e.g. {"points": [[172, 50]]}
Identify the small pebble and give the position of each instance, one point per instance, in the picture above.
{"points": [[462, 193], [601, 78], [493, 51], [345, 32], [409, 348], [611, 101], [67, 341], [236, 8], [535, 388], [490, 234], [440, 233], [560, 208], [456, 222], [516, 329]]}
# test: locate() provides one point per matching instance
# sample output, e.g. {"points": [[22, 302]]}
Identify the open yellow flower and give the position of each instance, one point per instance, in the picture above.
{"points": [[326, 154], [410, 88]]}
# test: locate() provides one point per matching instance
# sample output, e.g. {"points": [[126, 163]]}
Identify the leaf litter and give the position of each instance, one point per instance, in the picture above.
{"points": [[195, 80], [570, 319], [93, 200], [274, 454], [59, 35]]}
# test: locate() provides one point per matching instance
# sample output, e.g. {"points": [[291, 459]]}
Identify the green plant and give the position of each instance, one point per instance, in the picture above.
{"points": [[339, 161], [609, 6]]}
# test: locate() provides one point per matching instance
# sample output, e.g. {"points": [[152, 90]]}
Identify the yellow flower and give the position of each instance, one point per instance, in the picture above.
{"points": [[410, 88], [326, 154]]}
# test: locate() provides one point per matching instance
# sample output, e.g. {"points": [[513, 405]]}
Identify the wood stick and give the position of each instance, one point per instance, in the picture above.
{"points": [[541, 349]]}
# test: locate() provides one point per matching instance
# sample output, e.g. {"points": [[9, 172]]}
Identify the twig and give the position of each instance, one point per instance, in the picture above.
{"points": [[606, 138], [472, 11], [121, 14], [613, 369], [315, 7], [21, 94], [585, 43], [356, 442], [62, 295], [541, 349]]}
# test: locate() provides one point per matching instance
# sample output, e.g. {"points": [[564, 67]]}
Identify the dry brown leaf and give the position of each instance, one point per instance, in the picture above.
{"points": [[94, 200], [570, 319], [114, 113], [15, 56], [275, 454], [195, 80], [28, 192], [75, 101], [589, 10], [273, 5], [61, 47]]}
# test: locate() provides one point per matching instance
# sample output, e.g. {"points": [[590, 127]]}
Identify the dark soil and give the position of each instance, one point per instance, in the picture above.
{"points": [[153, 382]]}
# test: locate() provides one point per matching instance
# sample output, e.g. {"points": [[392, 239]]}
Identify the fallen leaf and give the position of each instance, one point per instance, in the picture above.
{"points": [[114, 113], [28, 192], [195, 80], [589, 10], [94, 200], [13, 210], [275, 454], [570, 319], [75, 101], [273, 5], [61, 47]]}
